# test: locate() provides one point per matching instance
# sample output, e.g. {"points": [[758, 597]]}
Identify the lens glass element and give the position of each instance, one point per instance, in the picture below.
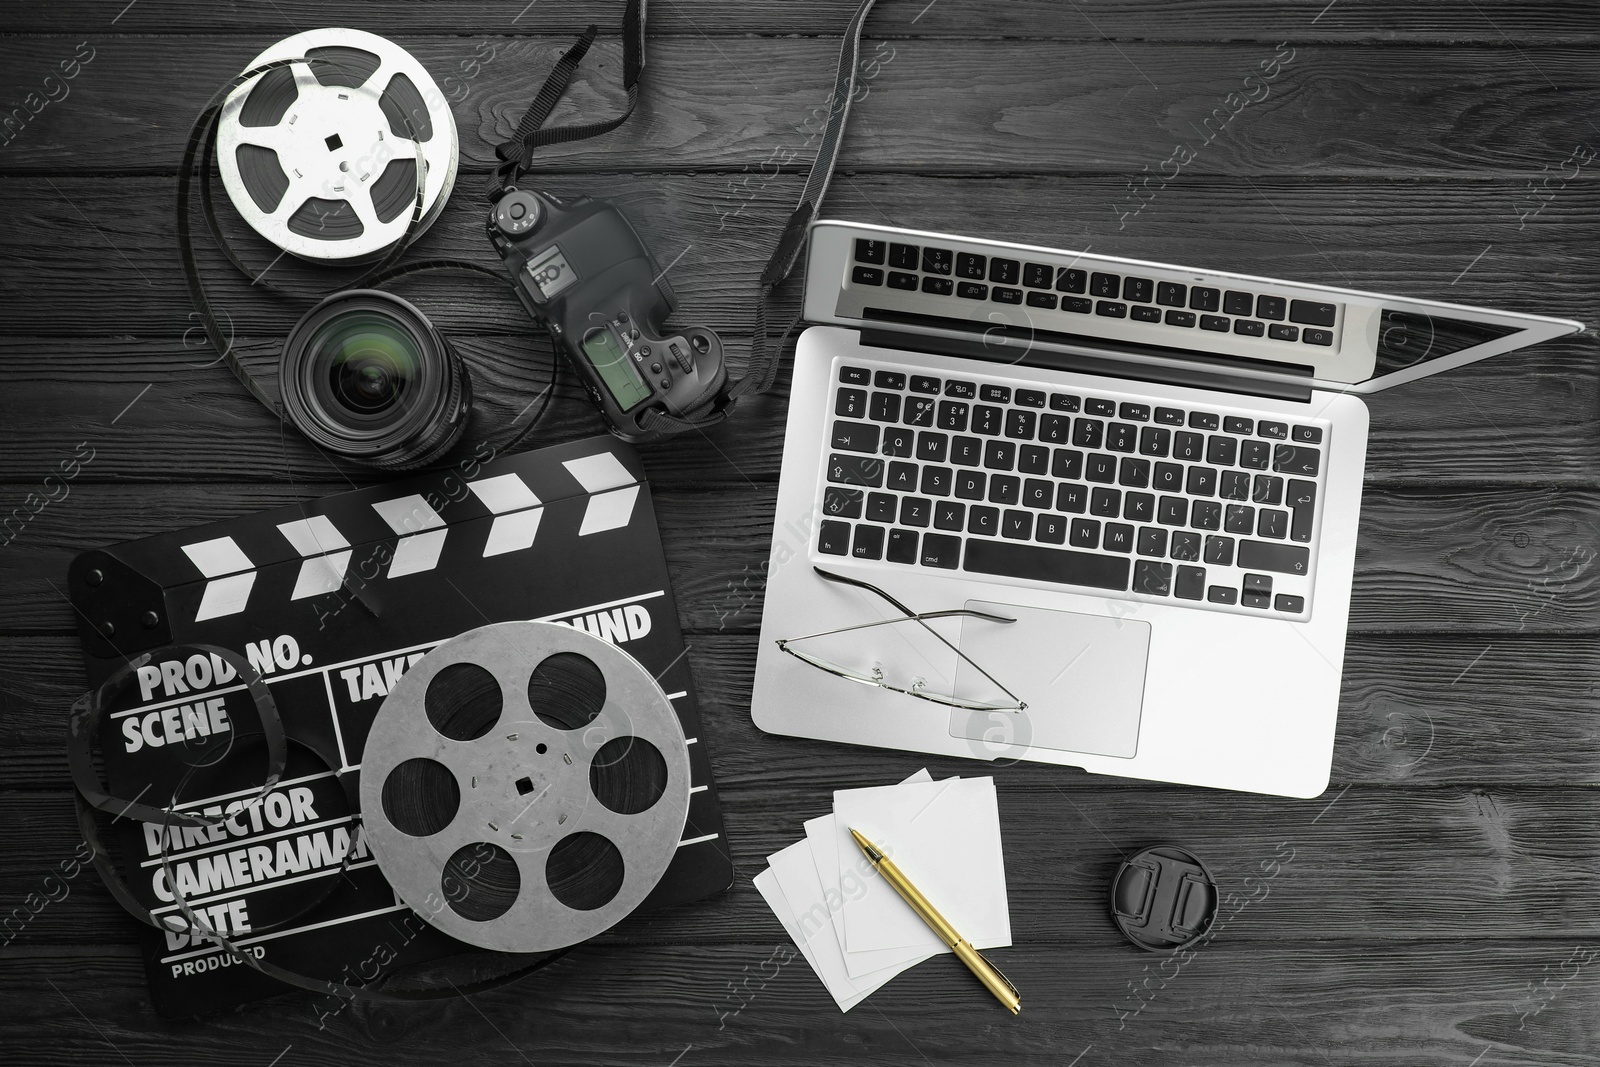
{"points": [[372, 362]]}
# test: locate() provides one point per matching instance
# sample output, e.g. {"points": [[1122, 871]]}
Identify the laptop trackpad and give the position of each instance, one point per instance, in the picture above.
{"points": [[1082, 677]]}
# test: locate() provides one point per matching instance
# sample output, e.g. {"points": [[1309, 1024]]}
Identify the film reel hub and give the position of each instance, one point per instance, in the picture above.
{"points": [[518, 799]]}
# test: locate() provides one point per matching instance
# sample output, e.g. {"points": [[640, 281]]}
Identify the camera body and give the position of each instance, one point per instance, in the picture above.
{"points": [[584, 274]]}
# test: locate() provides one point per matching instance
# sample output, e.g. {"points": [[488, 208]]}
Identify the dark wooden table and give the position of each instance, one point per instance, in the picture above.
{"points": [[1439, 905]]}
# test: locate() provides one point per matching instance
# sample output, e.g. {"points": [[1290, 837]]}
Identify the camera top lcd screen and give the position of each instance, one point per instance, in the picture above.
{"points": [[603, 351]]}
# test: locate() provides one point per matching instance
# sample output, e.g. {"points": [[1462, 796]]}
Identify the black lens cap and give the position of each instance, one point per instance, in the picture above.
{"points": [[1163, 898]]}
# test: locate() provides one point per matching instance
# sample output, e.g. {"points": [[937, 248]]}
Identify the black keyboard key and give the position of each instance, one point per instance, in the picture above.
{"points": [[1276, 430], [1111, 309], [960, 390], [1134, 412], [970, 484], [1180, 318], [949, 515], [1017, 525], [1221, 451], [1033, 459], [1004, 271], [1204, 299], [1118, 538], [1312, 336], [1189, 447], [842, 503], [903, 477], [898, 280], [1104, 284], [1038, 493], [1050, 529], [1293, 459], [1249, 327], [1235, 485], [1087, 433], [1306, 435], [855, 436], [920, 411], [1072, 497], [1237, 303], [903, 256], [1002, 295], [937, 260], [834, 538], [937, 286], [983, 520], [1269, 307], [936, 480], [889, 379], [1000, 455], [922, 383], [1258, 583], [1151, 578], [867, 276], [1169, 416], [1235, 424], [854, 375], [846, 469], [1240, 519], [1152, 541], [1134, 472], [897, 442], [1268, 490], [970, 266], [902, 546], [1030, 398], [1172, 294], [915, 511], [1222, 594], [1098, 406], [1037, 299], [882, 507], [1154, 441], [1105, 502], [1274, 556], [1255, 455], [1280, 332], [1185, 546], [851, 403], [997, 394], [1078, 305], [1191, 584], [1138, 290], [1004, 488], [1020, 424], [941, 550], [1122, 437], [1071, 280], [1205, 514], [1064, 402], [1302, 502], [1214, 323], [986, 420], [1293, 605], [1058, 565], [1066, 463], [953, 415], [1139, 507], [1274, 524], [1255, 600], [1172, 511], [869, 251], [1312, 312], [1168, 476], [868, 543], [1038, 275], [1055, 429], [885, 407], [1142, 313], [1219, 551], [1204, 420], [966, 451], [1202, 482], [1085, 533], [1100, 468]]}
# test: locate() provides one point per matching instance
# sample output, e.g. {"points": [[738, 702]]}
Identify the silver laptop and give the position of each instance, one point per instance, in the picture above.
{"points": [[1045, 505]]}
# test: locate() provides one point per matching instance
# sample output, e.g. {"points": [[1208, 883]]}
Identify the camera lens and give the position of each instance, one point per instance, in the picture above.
{"points": [[366, 375]]}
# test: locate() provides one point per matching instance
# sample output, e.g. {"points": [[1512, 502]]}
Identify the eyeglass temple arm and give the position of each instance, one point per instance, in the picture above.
{"points": [[907, 612]]}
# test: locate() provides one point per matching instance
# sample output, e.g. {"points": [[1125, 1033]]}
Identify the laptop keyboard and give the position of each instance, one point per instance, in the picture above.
{"points": [[1106, 492]]}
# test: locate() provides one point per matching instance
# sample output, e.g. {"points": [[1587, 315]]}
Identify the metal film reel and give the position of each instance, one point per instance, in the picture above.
{"points": [[318, 157], [489, 824]]}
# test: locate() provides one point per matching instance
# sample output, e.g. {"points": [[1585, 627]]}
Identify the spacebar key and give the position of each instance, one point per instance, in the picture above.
{"points": [[1266, 556], [1046, 564]]}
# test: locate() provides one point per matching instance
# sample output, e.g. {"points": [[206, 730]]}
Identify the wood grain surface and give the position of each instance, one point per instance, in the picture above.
{"points": [[1438, 904]]}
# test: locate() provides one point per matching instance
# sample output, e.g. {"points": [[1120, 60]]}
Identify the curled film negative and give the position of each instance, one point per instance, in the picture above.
{"points": [[320, 157], [525, 786]]}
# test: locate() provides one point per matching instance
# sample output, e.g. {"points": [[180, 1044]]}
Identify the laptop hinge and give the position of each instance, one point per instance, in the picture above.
{"points": [[1030, 352]]}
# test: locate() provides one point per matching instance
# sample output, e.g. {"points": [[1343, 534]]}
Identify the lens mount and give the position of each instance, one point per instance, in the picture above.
{"points": [[366, 375]]}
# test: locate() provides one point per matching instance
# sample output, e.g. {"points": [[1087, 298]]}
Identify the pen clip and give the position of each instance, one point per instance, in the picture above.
{"points": [[1015, 991]]}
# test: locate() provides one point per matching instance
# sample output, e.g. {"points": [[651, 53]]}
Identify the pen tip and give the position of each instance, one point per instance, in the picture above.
{"points": [[873, 852]]}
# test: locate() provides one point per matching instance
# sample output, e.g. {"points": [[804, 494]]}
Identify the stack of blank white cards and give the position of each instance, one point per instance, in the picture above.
{"points": [[851, 926]]}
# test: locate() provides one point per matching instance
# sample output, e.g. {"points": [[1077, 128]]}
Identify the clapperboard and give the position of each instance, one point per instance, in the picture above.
{"points": [[331, 602]]}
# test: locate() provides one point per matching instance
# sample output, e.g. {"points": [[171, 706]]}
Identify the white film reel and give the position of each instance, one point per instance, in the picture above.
{"points": [[318, 156], [553, 806]]}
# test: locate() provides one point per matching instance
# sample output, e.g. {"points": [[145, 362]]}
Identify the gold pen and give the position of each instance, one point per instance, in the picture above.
{"points": [[987, 973]]}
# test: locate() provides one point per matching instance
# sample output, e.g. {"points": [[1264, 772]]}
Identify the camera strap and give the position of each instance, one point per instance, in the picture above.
{"points": [[516, 157]]}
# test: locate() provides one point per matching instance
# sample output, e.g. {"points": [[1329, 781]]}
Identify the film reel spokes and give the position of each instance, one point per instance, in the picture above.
{"points": [[525, 786]]}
